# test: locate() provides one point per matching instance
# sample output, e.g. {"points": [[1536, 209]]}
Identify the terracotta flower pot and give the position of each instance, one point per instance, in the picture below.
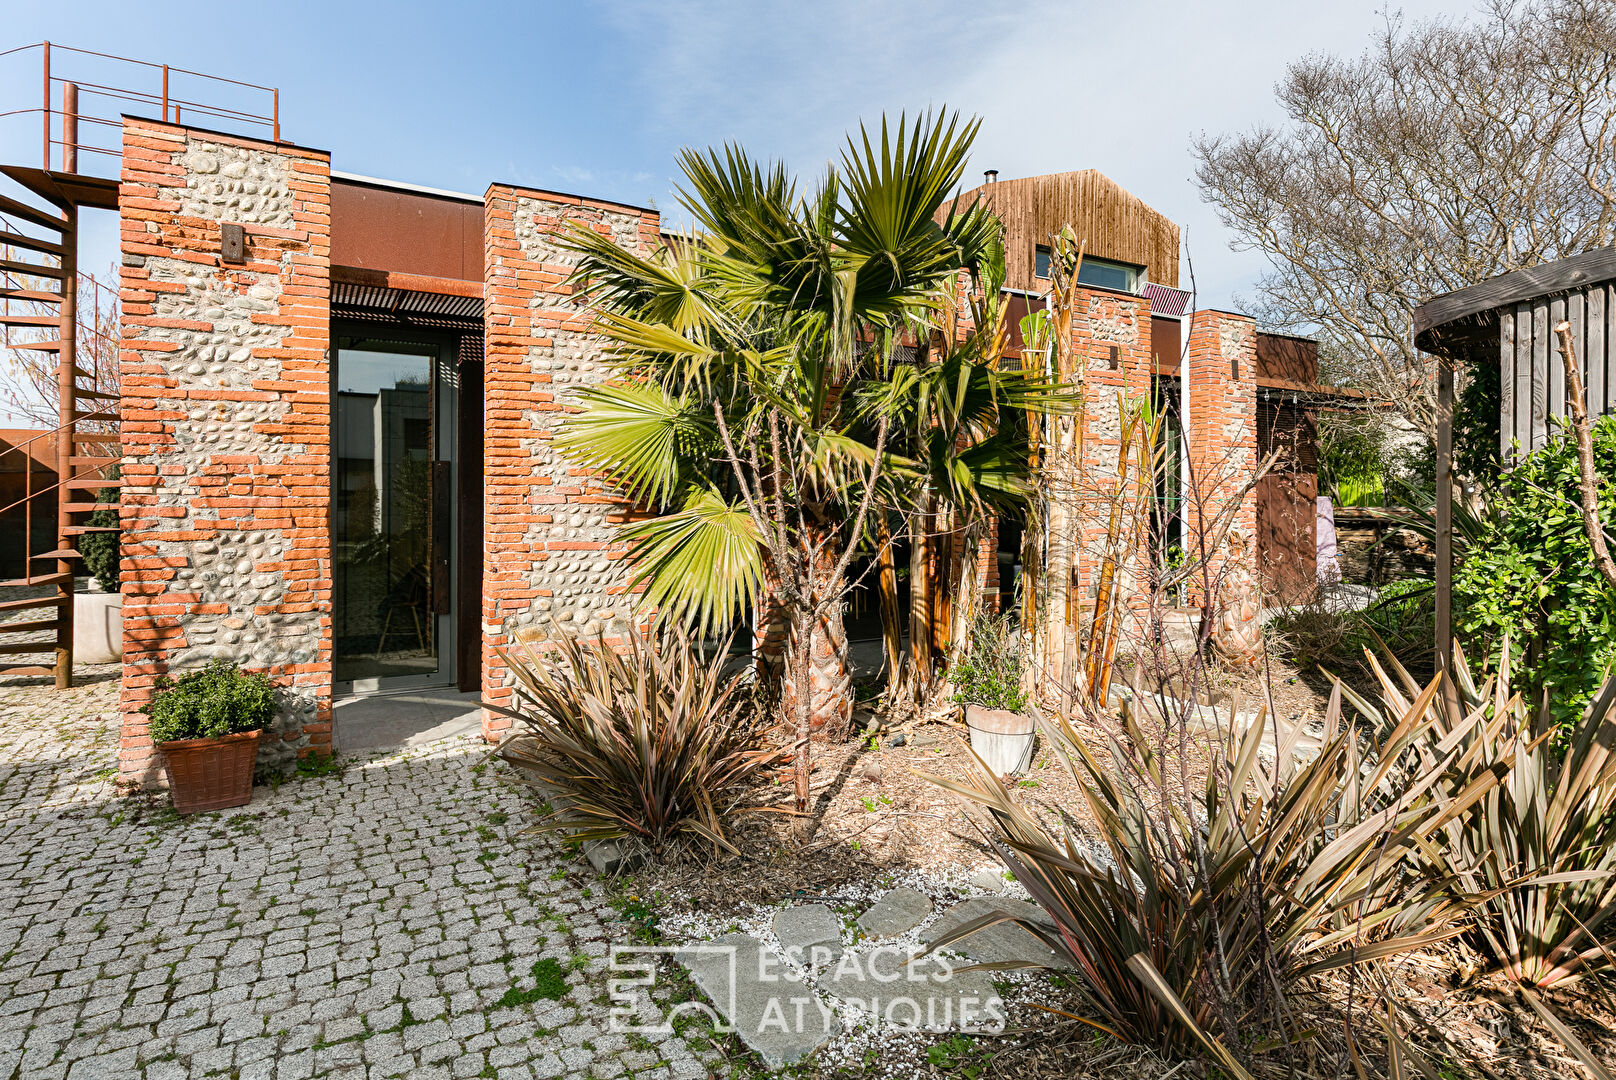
{"points": [[210, 774], [1001, 738]]}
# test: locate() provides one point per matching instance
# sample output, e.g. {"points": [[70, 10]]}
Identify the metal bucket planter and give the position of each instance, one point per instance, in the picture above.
{"points": [[1001, 738], [210, 774]]}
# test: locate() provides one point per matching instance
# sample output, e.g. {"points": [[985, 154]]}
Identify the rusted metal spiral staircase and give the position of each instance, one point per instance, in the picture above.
{"points": [[40, 285]]}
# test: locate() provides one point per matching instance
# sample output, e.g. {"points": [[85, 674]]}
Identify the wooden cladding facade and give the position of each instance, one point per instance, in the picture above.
{"points": [[1116, 225], [1532, 382]]}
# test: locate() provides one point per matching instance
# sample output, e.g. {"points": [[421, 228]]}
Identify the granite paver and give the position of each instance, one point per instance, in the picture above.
{"points": [[361, 925]]}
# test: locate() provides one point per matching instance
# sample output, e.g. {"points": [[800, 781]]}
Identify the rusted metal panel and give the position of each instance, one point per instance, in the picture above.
{"points": [[1166, 344], [1292, 359], [411, 232], [1287, 527]]}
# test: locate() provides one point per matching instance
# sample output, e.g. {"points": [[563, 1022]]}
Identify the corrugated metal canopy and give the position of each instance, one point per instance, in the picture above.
{"points": [[351, 301]]}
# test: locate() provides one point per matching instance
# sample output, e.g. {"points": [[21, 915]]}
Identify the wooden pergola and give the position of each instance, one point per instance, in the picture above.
{"points": [[1511, 321]]}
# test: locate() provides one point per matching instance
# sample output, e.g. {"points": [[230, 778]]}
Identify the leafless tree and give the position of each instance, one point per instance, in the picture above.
{"points": [[28, 378], [1448, 152]]}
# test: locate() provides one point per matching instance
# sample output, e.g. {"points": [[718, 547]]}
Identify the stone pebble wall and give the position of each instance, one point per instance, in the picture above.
{"points": [[1223, 423], [225, 426], [1104, 321], [551, 560]]}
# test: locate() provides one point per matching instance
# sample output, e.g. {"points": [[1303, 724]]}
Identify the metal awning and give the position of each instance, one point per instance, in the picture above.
{"points": [[379, 302]]}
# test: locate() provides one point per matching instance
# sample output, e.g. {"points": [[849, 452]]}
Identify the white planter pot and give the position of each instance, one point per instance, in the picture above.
{"points": [[1001, 738], [97, 628]]}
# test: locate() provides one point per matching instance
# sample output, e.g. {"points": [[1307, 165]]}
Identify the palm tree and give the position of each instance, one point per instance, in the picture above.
{"points": [[964, 428], [757, 399]]}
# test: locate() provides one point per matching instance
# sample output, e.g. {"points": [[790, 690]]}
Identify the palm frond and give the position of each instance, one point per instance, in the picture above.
{"points": [[702, 564], [638, 437]]}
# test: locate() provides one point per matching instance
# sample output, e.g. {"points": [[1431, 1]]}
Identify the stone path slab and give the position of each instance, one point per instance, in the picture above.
{"points": [[771, 1009], [1003, 943], [925, 992], [810, 934], [898, 912]]}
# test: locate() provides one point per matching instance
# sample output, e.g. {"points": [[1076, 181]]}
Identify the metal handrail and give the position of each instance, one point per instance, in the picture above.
{"points": [[59, 485], [161, 98]]}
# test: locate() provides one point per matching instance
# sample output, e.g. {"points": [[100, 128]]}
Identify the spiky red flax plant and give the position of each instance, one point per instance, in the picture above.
{"points": [[1198, 916], [651, 741]]}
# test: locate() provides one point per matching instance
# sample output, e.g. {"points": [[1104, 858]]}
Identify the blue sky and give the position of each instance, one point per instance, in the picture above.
{"points": [[598, 98]]}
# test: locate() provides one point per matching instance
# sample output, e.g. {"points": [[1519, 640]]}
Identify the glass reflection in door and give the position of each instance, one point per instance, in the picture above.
{"points": [[384, 623]]}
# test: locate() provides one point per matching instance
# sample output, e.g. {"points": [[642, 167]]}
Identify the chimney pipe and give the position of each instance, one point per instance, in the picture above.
{"points": [[991, 176]]}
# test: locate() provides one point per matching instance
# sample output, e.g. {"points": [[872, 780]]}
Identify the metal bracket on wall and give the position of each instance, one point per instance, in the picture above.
{"points": [[232, 243]]}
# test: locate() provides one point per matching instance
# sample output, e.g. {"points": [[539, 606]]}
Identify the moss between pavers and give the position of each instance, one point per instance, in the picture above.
{"points": [[550, 984]]}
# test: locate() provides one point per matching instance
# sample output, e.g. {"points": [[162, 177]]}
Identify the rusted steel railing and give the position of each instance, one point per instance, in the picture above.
{"points": [[71, 68]]}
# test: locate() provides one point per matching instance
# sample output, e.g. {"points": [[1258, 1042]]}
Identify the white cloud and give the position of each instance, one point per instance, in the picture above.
{"points": [[1117, 87]]}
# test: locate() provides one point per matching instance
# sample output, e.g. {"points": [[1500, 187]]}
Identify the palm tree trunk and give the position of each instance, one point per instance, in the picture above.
{"points": [[967, 587], [943, 561], [887, 587], [920, 595], [798, 708], [818, 651]]}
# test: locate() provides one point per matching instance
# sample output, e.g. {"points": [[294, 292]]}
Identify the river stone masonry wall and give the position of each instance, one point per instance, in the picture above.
{"points": [[1222, 353], [551, 560], [225, 426]]}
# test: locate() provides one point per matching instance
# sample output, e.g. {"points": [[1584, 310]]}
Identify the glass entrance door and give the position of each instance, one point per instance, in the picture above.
{"points": [[392, 607]]}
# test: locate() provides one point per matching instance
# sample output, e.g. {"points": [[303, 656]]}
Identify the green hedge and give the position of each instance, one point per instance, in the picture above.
{"points": [[1531, 576]]}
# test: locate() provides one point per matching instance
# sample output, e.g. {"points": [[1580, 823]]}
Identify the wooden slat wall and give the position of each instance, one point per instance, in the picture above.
{"points": [[1532, 374], [1116, 224]]}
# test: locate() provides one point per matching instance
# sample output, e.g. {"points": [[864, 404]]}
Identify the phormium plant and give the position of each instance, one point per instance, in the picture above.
{"points": [[646, 742]]}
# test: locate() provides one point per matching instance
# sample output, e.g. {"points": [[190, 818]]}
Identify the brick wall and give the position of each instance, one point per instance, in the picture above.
{"points": [[1222, 423], [550, 558], [225, 425]]}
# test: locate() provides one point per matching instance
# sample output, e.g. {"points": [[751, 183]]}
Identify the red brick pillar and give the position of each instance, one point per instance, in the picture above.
{"points": [[551, 559], [1221, 424], [226, 425]]}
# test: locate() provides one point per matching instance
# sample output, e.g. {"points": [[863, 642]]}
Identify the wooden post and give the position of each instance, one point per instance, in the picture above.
{"points": [[1444, 532]]}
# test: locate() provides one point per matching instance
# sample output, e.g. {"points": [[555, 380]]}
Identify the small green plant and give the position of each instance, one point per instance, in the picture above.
{"points": [[549, 984], [101, 549], [988, 673], [313, 766], [958, 1054], [218, 700]]}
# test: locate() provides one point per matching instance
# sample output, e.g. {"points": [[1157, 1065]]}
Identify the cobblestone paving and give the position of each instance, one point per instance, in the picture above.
{"points": [[361, 925]]}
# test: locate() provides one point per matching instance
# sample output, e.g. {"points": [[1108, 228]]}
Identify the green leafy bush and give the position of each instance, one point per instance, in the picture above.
{"points": [[221, 699], [1529, 578], [988, 672], [102, 551]]}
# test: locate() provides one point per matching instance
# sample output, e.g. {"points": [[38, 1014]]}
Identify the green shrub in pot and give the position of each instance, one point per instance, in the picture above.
{"points": [[218, 700], [988, 671]]}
